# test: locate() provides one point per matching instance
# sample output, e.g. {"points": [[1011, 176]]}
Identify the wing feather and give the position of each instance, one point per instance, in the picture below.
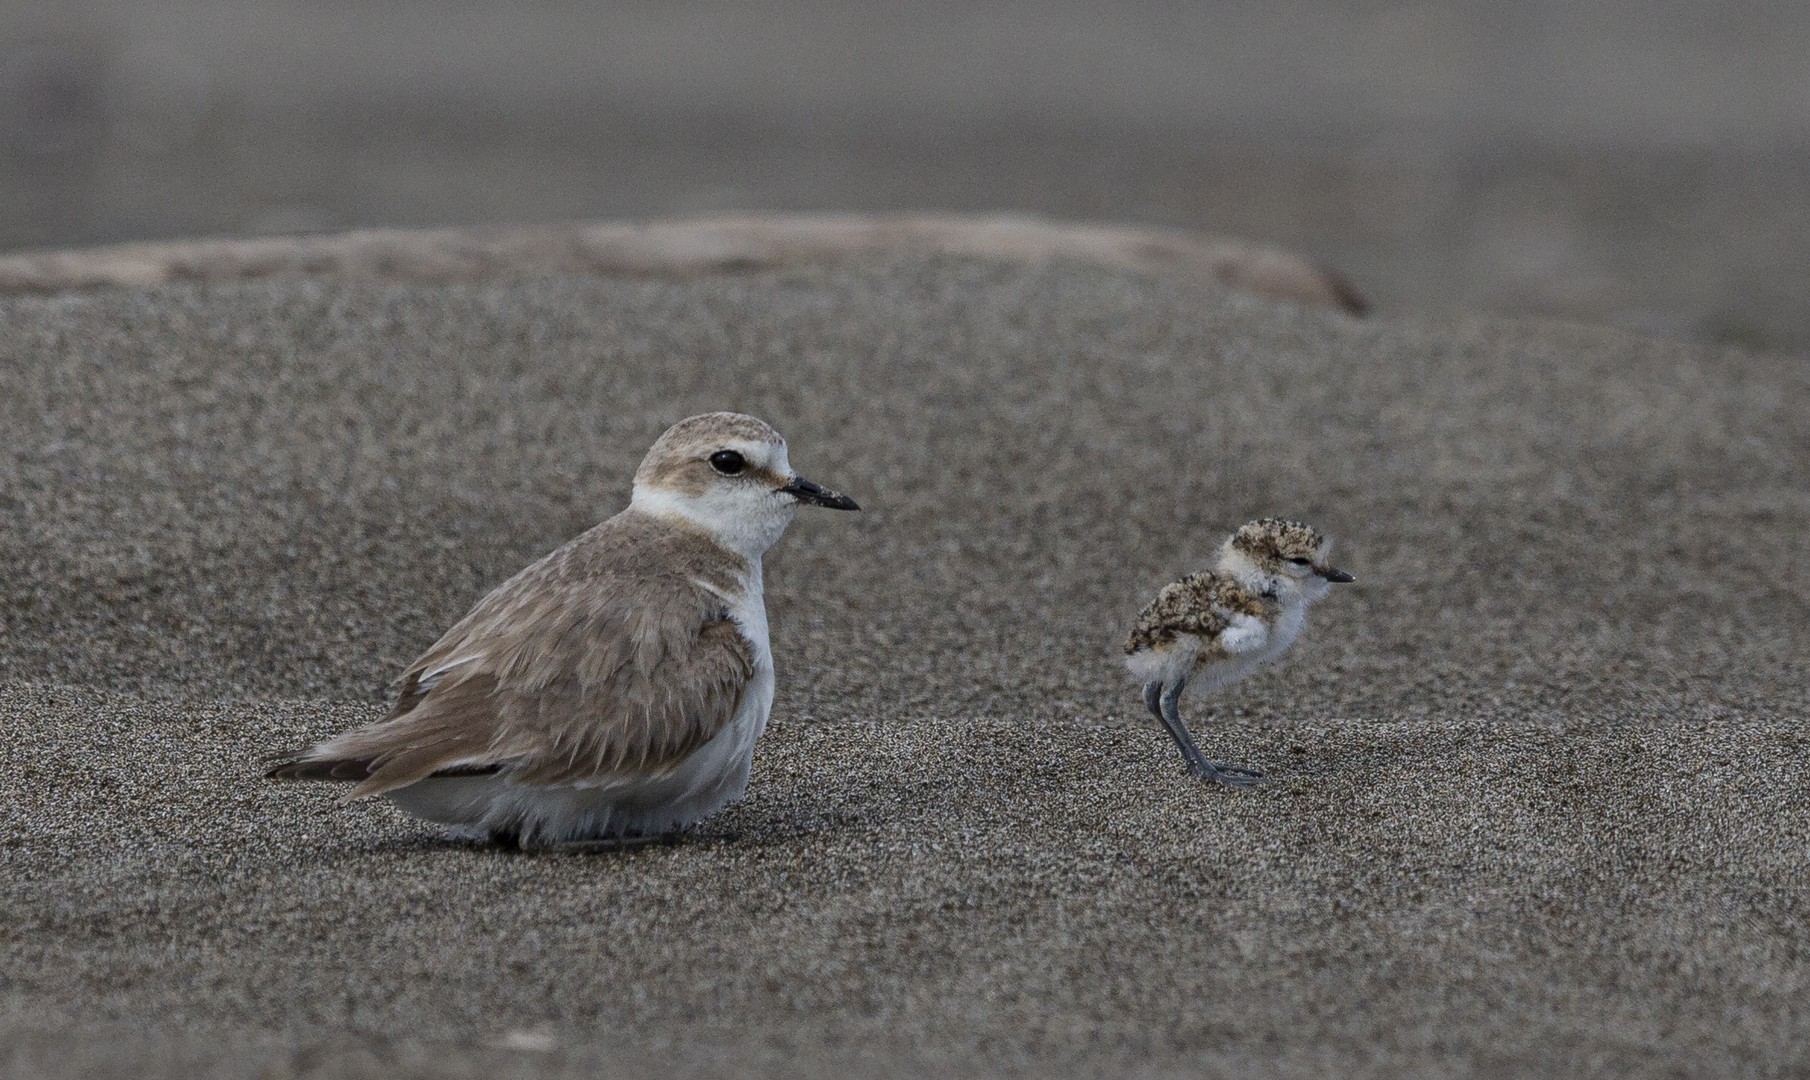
{"points": [[576, 671], [1203, 606]]}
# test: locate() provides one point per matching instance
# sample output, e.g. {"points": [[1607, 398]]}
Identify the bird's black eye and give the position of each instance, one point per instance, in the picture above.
{"points": [[728, 462], [1302, 562]]}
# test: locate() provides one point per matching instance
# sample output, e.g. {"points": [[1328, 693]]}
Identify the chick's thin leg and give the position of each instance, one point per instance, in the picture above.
{"points": [[1165, 703]]}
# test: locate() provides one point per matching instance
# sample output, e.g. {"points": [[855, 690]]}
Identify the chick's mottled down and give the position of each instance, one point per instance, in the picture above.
{"points": [[1203, 606], [1220, 625]]}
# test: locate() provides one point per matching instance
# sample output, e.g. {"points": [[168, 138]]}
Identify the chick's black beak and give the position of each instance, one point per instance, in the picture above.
{"points": [[1334, 574], [817, 495]]}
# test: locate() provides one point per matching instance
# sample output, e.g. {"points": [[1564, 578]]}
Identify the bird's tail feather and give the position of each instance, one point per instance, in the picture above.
{"points": [[295, 765]]}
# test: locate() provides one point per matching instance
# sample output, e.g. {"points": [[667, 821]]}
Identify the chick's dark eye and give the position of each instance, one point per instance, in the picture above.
{"points": [[1302, 562], [728, 462]]}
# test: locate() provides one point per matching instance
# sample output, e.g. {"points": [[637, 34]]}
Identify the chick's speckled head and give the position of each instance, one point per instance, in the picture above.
{"points": [[1280, 556], [1272, 541]]}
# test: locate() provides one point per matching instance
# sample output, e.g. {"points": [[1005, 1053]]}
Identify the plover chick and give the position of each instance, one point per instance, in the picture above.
{"points": [[1216, 627], [612, 691]]}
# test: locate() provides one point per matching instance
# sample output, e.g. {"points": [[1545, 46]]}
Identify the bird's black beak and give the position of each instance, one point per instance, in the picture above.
{"points": [[1334, 574], [817, 495]]}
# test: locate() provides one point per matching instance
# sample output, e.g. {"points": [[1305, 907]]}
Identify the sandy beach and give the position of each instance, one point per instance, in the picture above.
{"points": [[1538, 803]]}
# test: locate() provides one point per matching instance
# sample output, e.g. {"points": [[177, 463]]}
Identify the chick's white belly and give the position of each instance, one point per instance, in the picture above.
{"points": [[1281, 636], [1211, 677], [715, 775]]}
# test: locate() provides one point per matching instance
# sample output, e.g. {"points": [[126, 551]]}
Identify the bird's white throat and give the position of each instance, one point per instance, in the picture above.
{"points": [[744, 520]]}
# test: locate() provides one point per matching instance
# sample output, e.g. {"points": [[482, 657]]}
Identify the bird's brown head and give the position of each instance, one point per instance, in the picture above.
{"points": [[728, 473]]}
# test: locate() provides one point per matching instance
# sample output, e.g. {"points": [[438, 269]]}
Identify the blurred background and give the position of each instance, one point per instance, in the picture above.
{"points": [[1640, 162]]}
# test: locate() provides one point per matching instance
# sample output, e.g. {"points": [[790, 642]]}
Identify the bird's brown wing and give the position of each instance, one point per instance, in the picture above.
{"points": [[567, 674]]}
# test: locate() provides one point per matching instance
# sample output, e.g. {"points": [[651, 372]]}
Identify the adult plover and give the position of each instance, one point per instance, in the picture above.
{"points": [[1215, 627], [613, 690]]}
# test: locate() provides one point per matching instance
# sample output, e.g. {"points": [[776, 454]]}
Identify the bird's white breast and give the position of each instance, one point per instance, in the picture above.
{"points": [[749, 610], [1287, 629], [1284, 628]]}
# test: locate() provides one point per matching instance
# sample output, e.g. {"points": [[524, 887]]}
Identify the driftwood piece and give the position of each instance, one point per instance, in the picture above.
{"points": [[683, 247]]}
